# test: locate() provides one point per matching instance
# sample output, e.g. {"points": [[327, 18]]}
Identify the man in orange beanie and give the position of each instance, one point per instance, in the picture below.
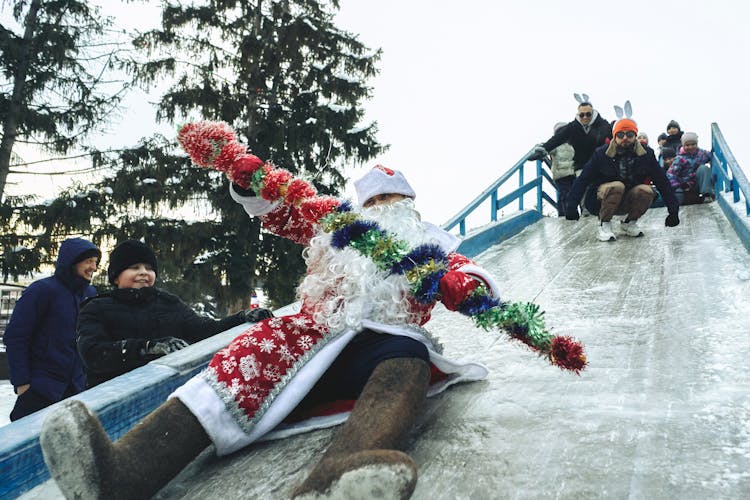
{"points": [[617, 174]]}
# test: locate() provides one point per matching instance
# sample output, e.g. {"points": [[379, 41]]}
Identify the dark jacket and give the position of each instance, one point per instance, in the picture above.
{"points": [[604, 167], [113, 328], [583, 143], [674, 142], [40, 339]]}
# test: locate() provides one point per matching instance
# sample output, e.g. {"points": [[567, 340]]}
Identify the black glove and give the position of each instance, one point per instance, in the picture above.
{"points": [[539, 153], [571, 212], [257, 314], [672, 220], [164, 345]]}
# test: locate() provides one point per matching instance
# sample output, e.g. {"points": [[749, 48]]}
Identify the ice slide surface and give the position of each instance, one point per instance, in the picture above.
{"points": [[661, 411]]}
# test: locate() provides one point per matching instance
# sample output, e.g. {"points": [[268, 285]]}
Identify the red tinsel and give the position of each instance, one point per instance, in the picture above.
{"points": [[273, 181], [568, 354], [229, 153], [313, 210], [203, 140], [298, 190]]}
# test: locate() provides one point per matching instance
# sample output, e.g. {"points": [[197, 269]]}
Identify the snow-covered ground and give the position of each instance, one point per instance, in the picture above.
{"points": [[7, 400]]}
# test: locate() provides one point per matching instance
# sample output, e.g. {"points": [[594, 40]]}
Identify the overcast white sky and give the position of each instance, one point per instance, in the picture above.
{"points": [[466, 88]]}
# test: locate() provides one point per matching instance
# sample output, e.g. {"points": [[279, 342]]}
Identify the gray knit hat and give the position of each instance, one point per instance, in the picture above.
{"points": [[689, 137]]}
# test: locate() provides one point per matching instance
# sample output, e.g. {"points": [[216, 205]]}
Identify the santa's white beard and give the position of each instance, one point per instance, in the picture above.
{"points": [[343, 287]]}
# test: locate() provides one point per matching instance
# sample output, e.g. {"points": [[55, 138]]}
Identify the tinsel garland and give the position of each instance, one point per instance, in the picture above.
{"points": [[214, 145]]}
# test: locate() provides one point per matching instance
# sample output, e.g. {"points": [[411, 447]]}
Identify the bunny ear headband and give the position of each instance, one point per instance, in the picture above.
{"points": [[627, 112], [581, 98]]}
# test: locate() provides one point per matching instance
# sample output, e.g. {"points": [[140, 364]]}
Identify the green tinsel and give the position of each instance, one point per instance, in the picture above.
{"points": [[389, 251], [216, 146], [336, 220], [414, 275], [384, 251], [256, 181], [515, 315]]}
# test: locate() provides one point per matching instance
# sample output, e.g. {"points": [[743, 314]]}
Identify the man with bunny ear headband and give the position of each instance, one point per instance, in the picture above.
{"points": [[617, 175], [586, 132]]}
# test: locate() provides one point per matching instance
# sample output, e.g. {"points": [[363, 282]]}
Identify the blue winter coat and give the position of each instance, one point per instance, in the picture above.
{"points": [[40, 339]]}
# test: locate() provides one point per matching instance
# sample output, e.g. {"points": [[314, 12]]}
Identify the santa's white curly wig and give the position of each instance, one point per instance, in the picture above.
{"points": [[343, 287]]}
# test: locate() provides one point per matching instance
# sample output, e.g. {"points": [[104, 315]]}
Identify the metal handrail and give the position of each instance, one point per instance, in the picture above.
{"points": [[729, 175], [492, 193]]}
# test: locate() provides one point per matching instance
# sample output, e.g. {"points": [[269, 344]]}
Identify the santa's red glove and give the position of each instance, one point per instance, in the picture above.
{"points": [[243, 168], [455, 287]]}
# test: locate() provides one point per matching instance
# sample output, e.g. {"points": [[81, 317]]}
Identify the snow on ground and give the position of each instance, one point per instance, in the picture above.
{"points": [[7, 400]]}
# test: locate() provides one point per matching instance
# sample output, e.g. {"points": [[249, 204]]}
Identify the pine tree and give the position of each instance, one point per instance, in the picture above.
{"points": [[291, 84], [54, 92]]}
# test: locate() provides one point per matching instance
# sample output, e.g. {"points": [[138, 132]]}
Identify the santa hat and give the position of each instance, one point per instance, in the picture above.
{"points": [[382, 180], [624, 125]]}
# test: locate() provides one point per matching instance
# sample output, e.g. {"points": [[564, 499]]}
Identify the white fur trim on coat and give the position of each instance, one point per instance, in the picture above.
{"points": [[227, 435], [480, 274]]}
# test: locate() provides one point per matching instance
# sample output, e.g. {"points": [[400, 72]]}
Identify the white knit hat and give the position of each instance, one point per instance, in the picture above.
{"points": [[382, 180]]}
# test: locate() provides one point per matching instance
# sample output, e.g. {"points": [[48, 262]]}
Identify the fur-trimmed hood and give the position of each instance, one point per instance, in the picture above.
{"points": [[612, 149]]}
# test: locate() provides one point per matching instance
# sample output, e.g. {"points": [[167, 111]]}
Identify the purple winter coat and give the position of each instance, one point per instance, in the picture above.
{"points": [[682, 172]]}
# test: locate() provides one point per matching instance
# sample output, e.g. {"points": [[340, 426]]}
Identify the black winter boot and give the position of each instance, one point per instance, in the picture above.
{"points": [[87, 465], [361, 461]]}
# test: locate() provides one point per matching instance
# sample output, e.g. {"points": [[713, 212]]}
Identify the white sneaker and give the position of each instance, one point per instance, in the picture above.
{"points": [[631, 228], [605, 232]]}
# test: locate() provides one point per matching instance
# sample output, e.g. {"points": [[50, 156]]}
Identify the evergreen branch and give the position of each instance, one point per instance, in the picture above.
{"points": [[83, 155]]}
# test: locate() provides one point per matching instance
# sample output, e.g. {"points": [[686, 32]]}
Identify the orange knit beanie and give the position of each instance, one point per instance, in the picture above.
{"points": [[623, 125]]}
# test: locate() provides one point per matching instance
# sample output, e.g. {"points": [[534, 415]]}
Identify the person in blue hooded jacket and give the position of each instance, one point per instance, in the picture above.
{"points": [[40, 339]]}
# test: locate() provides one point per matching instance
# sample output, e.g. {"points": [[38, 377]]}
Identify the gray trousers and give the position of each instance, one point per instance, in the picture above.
{"points": [[704, 184]]}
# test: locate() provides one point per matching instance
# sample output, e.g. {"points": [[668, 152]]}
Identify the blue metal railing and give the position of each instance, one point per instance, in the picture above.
{"points": [[731, 178], [498, 232], [497, 204]]}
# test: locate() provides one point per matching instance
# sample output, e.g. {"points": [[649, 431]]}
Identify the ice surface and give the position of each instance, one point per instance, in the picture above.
{"points": [[661, 411]]}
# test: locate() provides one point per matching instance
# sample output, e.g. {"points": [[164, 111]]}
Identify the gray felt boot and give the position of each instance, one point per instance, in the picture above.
{"points": [[361, 461], [87, 465]]}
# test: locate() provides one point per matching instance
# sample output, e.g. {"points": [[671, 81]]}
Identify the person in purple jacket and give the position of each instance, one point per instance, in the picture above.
{"points": [[690, 174], [40, 339]]}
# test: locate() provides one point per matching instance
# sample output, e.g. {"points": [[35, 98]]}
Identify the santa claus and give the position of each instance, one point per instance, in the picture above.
{"points": [[375, 271]]}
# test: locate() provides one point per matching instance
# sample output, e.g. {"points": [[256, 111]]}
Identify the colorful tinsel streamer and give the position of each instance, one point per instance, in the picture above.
{"points": [[214, 145]]}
